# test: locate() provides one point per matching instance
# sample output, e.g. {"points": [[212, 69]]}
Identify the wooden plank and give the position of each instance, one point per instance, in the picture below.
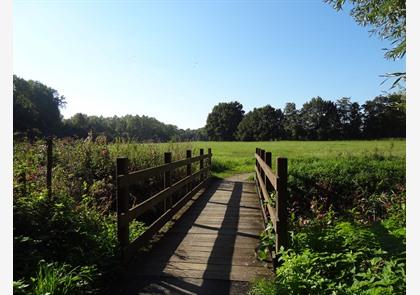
{"points": [[268, 172], [215, 272], [199, 230], [215, 250], [157, 225], [203, 259], [133, 177]]}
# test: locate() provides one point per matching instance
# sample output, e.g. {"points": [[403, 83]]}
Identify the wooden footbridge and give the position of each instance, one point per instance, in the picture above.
{"points": [[206, 237]]}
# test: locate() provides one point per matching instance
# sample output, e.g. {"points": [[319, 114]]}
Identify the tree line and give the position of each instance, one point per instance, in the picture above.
{"points": [[36, 113], [318, 119]]}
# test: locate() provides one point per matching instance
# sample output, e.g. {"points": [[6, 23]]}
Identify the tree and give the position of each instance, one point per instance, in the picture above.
{"points": [[292, 123], [383, 118], [350, 118], [387, 19], [223, 121], [261, 124], [320, 119], [36, 107]]}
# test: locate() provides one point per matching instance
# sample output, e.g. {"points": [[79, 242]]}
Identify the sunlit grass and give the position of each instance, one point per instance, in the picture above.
{"points": [[230, 158]]}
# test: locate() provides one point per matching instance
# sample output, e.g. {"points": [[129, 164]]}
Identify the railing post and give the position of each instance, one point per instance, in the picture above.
{"points": [[122, 206], [167, 181], [268, 161], [262, 173], [49, 166], [209, 162], [281, 204], [188, 170], [201, 164]]}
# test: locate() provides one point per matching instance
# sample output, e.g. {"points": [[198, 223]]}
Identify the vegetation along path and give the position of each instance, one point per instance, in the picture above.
{"points": [[209, 250]]}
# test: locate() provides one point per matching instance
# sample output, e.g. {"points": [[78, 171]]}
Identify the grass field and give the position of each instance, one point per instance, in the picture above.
{"points": [[238, 157]]}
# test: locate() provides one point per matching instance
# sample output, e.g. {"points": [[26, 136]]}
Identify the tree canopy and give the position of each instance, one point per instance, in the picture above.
{"points": [[261, 124], [36, 107], [223, 120]]}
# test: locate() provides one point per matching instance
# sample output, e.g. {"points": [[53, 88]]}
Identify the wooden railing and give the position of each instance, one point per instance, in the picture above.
{"points": [[124, 179], [272, 191]]}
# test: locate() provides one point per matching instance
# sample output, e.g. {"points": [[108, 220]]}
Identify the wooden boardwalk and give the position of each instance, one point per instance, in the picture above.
{"points": [[209, 250]]}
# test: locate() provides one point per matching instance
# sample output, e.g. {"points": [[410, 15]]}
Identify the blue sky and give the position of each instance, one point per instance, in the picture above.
{"points": [[174, 60]]}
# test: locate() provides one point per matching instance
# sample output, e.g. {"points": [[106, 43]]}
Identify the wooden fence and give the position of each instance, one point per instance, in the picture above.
{"points": [[272, 191], [124, 179]]}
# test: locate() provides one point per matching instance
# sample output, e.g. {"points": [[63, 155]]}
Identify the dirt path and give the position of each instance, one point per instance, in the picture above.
{"points": [[243, 177]]}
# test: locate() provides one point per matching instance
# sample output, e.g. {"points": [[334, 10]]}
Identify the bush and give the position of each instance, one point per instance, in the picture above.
{"points": [[347, 228]]}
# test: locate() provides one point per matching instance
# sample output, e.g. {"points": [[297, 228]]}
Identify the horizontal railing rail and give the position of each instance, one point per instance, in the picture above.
{"points": [[192, 182], [272, 192]]}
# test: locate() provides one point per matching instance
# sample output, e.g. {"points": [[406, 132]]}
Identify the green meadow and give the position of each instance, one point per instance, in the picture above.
{"points": [[230, 158]]}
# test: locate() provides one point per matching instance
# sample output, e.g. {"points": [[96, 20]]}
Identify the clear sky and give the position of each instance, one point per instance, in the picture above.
{"points": [[174, 60]]}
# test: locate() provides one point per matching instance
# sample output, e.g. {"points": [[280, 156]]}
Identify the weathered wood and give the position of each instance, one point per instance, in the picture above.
{"points": [[268, 172], [266, 196], [122, 206], [157, 198], [213, 244], [281, 204], [137, 176], [268, 161], [201, 164], [157, 225], [49, 166], [276, 182], [188, 156], [262, 172], [167, 181]]}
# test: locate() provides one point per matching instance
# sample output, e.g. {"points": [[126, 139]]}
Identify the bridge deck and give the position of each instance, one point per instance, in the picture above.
{"points": [[211, 248]]}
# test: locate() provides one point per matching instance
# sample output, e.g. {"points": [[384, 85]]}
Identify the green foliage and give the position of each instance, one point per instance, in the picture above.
{"points": [[35, 107], [339, 258], [138, 128], [266, 242], [223, 121], [384, 117], [347, 228], [263, 123], [62, 230], [320, 119], [55, 278], [367, 185]]}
